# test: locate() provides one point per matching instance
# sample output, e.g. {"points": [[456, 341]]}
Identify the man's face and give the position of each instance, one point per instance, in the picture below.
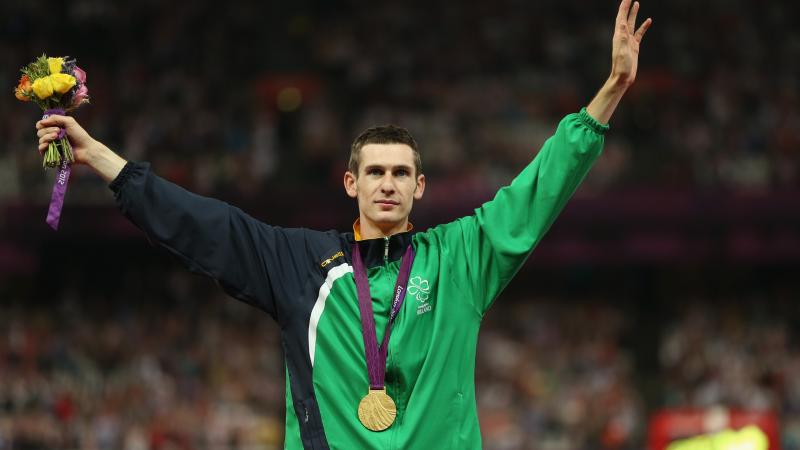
{"points": [[386, 186]]}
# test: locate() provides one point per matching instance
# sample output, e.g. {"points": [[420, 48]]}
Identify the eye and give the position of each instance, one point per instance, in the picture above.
{"points": [[401, 173], [374, 171]]}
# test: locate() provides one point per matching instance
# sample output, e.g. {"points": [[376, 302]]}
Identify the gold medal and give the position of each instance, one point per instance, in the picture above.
{"points": [[377, 410]]}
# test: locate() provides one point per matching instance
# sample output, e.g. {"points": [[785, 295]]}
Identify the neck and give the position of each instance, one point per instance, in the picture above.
{"points": [[372, 230]]}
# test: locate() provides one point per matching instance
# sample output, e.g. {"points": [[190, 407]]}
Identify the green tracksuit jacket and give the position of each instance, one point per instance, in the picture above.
{"points": [[304, 280]]}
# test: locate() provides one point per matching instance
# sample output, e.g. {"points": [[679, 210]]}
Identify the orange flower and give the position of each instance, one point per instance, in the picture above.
{"points": [[25, 83], [23, 89]]}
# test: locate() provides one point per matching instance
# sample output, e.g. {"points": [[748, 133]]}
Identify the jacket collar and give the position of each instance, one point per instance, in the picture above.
{"points": [[374, 250], [357, 229]]}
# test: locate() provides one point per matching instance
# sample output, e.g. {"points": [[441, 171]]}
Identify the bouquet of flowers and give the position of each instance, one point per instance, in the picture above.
{"points": [[58, 86]]}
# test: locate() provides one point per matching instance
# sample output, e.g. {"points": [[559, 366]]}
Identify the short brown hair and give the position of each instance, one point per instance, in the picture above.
{"points": [[383, 134]]}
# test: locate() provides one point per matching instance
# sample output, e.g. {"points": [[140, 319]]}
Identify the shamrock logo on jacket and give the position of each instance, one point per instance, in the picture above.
{"points": [[419, 288]]}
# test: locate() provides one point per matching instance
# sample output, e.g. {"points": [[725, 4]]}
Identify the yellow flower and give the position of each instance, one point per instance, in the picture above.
{"points": [[55, 65], [43, 87], [62, 82]]}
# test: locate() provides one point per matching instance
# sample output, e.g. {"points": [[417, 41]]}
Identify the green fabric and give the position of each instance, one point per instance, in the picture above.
{"points": [[459, 270]]}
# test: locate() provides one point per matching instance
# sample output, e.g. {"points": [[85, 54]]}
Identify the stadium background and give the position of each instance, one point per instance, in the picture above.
{"points": [[669, 283]]}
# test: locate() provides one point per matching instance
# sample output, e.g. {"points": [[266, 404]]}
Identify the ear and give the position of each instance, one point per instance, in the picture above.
{"points": [[420, 187], [350, 184]]}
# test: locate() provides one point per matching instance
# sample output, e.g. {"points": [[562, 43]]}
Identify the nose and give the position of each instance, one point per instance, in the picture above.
{"points": [[387, 184]]}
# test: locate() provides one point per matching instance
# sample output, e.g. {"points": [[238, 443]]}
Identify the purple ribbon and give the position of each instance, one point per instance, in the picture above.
{"points": [[376, 357], [62, 178]]}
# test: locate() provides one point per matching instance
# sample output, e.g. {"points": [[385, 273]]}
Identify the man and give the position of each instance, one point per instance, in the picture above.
{"points": [[379, 325]]}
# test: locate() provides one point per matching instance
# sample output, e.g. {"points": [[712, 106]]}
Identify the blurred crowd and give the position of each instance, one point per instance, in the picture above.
{"points": [[738, 354], [178, 365], [239, 100], [140, 375], [553, 376]]}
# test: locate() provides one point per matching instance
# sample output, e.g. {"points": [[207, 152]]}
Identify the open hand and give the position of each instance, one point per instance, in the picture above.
{"points": [[625, 44]]}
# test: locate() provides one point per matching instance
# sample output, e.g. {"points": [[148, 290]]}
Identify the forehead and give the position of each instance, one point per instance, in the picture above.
{"points": [[386, 155]]}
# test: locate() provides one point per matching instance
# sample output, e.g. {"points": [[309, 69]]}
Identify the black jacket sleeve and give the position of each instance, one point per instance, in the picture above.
{"points": [[247, 257]]}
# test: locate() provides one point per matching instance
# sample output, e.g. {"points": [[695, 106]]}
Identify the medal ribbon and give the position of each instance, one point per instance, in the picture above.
{"points": [[62, 178], [376, 356]]}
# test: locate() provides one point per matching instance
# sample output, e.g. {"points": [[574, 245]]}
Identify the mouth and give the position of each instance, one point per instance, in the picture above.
{"points": [[387, 205]]}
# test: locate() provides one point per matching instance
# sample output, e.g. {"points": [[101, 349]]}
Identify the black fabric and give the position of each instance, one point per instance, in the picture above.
{"points": [[278, 270], [373, 250], [311, 430]]}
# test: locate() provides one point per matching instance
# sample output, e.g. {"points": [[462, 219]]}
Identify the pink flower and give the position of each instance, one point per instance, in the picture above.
{"points": [[81, 96], [80, 75]]}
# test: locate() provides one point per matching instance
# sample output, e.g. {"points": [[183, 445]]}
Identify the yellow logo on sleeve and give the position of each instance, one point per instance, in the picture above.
{"points": [[330, 260]]}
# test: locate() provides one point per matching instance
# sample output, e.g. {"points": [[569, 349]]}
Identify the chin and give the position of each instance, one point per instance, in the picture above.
{"points": [[387, 219]]}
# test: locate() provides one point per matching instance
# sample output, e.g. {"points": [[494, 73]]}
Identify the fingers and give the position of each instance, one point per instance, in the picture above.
{"points": [[643, 29], [46, 136], [48, 129], [54, 121], [632, 16], [45, 131], [624, 9]]}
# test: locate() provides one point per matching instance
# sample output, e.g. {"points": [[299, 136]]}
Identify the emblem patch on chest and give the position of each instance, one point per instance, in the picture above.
{"points": [[420, 289]]}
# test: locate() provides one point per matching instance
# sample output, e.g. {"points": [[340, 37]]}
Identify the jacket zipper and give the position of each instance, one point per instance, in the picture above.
{"points": [[386, 250]]}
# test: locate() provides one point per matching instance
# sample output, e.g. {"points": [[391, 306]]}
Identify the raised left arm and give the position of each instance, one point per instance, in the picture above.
{"points": [[624, 62]]}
